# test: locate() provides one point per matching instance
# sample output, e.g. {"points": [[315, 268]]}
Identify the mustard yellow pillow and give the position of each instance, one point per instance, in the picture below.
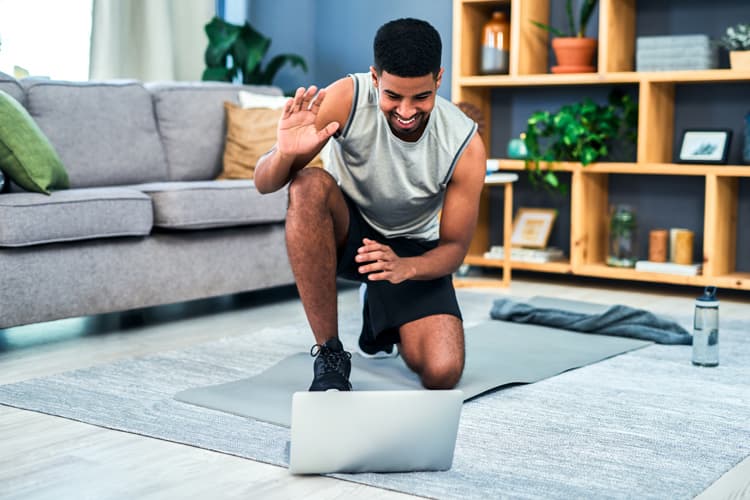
{"points": [[250, 134]]}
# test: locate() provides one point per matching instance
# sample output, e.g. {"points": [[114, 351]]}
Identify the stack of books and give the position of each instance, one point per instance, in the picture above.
{"points": [[536, 255], [675, 52], [668, 268]]}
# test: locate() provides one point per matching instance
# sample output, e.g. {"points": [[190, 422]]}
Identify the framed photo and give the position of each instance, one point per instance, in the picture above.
{"points": [[705, 146], [532, 227]]}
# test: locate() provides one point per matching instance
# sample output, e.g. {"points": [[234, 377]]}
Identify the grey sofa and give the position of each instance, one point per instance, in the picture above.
{"points": [[143, 222]]}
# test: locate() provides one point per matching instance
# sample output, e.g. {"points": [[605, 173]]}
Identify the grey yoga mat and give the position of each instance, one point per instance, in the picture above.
{"points": [[498, 353]]}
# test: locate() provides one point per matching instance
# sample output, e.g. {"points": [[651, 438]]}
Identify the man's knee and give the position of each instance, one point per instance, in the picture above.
{"points": [[310, 185], [442, 375]]}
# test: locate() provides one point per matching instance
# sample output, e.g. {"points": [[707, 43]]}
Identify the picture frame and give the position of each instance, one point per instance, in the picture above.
{"points": [[532, 227], [705, 146]]}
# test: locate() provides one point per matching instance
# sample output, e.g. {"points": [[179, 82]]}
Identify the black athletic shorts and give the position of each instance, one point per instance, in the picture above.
{"points": [[394, 305]]}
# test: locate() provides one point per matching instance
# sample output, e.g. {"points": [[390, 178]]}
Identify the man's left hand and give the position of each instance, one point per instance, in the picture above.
{"points": [[380, 263]]}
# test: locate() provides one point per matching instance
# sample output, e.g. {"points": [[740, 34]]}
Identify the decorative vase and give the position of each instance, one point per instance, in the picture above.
{"points": [[622, 249], [739, 59], [496, 44], [574, 54], [517, 149]]}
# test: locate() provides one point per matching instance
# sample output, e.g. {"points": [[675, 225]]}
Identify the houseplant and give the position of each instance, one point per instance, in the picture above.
{"points": [[581, 132], [573, 50], [237, 51], [736, 40]]}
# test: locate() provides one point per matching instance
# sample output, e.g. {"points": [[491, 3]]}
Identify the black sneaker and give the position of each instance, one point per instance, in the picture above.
{"points": [[332, 366], [370, 346]]}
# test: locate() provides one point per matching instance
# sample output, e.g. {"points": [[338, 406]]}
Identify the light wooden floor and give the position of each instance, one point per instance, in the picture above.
{"points": [[42, 456]]}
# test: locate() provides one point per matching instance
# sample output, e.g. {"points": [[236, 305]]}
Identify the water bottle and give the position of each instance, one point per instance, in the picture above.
{"points": [[706, 329]]}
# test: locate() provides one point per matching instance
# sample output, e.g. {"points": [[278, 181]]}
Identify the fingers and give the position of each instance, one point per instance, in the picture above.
{"points": [[302, 100], [306, 98], [293, 104], [315, 104], [376, 256], [328, 131]]}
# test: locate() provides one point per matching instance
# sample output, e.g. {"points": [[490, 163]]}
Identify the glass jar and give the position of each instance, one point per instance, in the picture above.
{"points": [[496, 44], [622, 249]]}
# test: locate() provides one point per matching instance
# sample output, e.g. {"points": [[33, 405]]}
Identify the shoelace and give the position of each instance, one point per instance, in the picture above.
{"points": [[332, 360]]}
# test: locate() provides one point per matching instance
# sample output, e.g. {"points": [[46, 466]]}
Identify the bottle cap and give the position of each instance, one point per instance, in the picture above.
{"points": [[708, 298]]}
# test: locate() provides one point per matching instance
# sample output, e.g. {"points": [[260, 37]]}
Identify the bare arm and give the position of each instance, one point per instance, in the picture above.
{"points": [[309, 119], [457, 223]]}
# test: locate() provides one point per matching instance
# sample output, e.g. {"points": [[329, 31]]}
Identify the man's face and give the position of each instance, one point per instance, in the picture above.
{"points": [[406, 101]]}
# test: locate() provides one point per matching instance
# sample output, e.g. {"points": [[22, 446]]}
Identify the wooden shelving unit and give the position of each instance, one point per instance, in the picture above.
{"points": [[589, 185]]}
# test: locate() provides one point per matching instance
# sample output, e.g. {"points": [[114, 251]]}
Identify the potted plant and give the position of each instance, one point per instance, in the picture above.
{"points": [[238, 51], [581, 132], [573, 50], [736, 40]]}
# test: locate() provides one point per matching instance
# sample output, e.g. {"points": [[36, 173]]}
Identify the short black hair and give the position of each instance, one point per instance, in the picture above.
{"points": [[407, 47]]}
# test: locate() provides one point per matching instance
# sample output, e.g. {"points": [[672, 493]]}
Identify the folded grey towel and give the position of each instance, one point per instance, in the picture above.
{"points": [[618, 320]]}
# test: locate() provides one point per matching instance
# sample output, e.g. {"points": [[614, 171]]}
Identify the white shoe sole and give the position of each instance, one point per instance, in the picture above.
{"points": [[379, 354]]}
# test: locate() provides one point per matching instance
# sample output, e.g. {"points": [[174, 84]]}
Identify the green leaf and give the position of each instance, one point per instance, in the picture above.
{"points": [[250, 49], [217, 74], [221, 38], [549, 28], [551, 179], [586, 10], [569, 12]]}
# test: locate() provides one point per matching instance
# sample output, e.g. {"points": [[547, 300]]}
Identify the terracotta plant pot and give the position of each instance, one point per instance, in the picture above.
{"points": [[574, 55], [740, 59]]}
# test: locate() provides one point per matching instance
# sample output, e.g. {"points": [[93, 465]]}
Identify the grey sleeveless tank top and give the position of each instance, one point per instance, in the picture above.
{"points": [[398, 186]]}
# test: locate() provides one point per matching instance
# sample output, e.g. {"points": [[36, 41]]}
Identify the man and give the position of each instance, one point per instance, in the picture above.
{"points": [[395, 207]]}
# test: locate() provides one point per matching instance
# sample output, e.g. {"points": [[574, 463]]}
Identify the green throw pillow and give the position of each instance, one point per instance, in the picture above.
{"points": [[26, 155]]}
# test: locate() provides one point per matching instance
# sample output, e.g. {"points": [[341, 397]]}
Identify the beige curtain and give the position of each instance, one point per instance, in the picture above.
{"points": [[149, 40]]}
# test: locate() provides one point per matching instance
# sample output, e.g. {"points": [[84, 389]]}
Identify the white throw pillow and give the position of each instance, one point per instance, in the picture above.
{"points": [[252, 100]]}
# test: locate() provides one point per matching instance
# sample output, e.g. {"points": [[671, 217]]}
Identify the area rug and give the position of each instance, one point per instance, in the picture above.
{"points": [[498, 353], [643, 424]]}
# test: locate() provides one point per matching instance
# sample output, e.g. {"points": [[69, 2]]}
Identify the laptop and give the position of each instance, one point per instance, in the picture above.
{"points": [[373, 431]]}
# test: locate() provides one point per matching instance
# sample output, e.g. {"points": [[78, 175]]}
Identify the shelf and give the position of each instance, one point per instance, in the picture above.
{"points": [[637, 168], [733, 280], [546, 79], [605, 271], [657, 93], [559, 267]]}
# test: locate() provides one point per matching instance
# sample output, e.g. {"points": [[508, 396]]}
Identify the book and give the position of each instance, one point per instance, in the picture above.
{"points": [[676, 59], [668, 268], [500, 178], [673, 41], [536, 255]]}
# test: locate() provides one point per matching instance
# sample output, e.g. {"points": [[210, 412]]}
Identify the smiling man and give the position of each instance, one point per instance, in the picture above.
{"points": [[400, 156]]}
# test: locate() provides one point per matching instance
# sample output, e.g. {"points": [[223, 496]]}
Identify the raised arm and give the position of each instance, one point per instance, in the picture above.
{"points": [[309, 119]]}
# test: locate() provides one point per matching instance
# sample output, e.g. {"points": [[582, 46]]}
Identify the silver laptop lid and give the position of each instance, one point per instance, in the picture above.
{"points": [[373, 431]]}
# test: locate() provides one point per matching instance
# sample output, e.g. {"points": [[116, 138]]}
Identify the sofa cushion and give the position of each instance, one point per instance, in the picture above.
{"points": [[75, 214], [192, 124], [12, 86], [26, 154], [208, 204], [250, 134], [105, 133]]}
